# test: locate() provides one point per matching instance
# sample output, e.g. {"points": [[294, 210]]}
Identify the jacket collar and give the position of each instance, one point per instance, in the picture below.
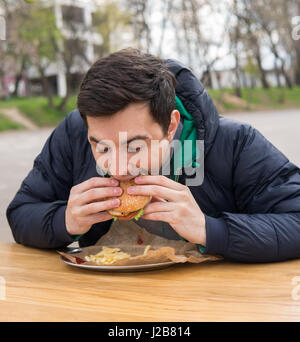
{"points": [[196, 102]]}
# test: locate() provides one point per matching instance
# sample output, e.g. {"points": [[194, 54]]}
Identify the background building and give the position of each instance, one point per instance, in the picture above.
{"points": [[74, 18]]}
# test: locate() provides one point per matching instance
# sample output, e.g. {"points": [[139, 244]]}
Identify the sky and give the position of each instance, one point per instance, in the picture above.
{"points": [[212, 27]]}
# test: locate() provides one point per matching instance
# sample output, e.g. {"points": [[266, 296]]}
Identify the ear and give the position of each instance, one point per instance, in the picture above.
{"points": [[175, 119]]}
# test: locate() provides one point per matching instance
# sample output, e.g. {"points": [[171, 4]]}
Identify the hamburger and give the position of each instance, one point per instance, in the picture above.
{"points": [[132, 206]]}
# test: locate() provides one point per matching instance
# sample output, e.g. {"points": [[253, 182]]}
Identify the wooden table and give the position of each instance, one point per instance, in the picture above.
{"points": [[39, 287]]}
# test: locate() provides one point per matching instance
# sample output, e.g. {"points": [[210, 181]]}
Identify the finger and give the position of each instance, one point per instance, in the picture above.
{"points": [[96, 207], [158, 207], [159, 216], [154, 190], [94, 182], [159, 180], [157, 199], [95, 218], [96, 194]]}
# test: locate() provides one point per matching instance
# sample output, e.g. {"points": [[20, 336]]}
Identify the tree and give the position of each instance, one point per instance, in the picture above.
{"points": [[110, 21], [40, 35], [140, 13], [269, 22], [15, 52], [251, 38], [288, 9], [235, 35], [197, 47]]}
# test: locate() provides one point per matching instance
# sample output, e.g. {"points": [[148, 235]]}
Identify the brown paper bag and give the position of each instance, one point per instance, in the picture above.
{"points": [[132, 239]]}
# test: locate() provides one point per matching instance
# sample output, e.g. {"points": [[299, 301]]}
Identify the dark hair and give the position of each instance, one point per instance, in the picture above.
{"points": [[124, 77]]}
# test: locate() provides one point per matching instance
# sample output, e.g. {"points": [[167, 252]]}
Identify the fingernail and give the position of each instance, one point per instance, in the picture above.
{"points": [[117, 191], [131, 190], [116, 202], [114, 182]]}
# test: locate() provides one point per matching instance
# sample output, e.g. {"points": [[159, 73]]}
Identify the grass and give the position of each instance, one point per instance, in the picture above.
{"points": [[257, 99], [37, 109], [6, 124]]}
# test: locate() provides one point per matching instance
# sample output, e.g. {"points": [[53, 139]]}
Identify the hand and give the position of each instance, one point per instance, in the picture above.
{"points": [[173, 203], [88, 202]]}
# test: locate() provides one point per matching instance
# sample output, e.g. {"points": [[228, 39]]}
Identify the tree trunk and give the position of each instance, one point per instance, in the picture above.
{"points": [[262, 71], [297, 68], [238, 91], [277, 73], [46, 87], [187, 37], [167, 13], [206, 78], [19, 77], [282, 62], [63, 104], [2, 83], [288, 81], [297, 49]]}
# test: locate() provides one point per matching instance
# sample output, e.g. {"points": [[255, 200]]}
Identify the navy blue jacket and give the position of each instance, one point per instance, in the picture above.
{"points": [[250, 194]]}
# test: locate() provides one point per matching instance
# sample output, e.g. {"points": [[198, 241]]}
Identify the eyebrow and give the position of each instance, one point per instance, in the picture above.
{"points": [[137, 137]]}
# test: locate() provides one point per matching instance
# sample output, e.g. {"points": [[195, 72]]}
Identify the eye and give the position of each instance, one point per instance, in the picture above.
{"points": [[132, 149], [102, 149]]}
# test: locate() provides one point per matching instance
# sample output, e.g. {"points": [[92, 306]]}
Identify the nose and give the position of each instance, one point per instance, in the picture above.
{"points": [[120, 168], [119, 165]]}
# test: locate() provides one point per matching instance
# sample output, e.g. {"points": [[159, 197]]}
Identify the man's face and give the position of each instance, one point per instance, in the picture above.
{"points": [[130, 142]]}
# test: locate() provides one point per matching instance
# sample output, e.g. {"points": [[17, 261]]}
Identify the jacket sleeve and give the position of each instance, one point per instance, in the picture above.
{"points": [[266, 188], [36, 215]]}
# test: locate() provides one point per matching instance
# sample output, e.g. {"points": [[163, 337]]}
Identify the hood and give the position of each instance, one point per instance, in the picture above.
{"points": [[196, 101]]}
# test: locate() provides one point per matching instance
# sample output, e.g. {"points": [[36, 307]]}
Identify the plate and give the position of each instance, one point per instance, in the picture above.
{"points": [[110, 268]]}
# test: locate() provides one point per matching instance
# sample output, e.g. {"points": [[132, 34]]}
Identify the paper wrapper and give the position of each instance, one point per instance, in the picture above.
{"points": [[132, 239]]}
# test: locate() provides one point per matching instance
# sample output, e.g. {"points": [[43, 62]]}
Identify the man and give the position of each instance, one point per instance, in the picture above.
{"points": [[246, 208]]}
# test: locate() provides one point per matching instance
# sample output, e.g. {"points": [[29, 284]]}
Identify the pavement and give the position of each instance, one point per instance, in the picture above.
{"points": [[15, 115], [281, 127], [18, 150]]}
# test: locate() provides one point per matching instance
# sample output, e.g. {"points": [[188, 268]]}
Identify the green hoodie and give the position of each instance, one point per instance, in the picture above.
{"points": [[189, 133], [188, 157]]}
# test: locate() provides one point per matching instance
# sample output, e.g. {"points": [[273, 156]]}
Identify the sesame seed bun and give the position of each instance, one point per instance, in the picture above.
{"points": [[130, 204]]}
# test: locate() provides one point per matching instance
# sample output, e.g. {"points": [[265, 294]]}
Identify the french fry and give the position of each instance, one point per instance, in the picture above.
{"points": [[107, 256], [147, 249]]}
